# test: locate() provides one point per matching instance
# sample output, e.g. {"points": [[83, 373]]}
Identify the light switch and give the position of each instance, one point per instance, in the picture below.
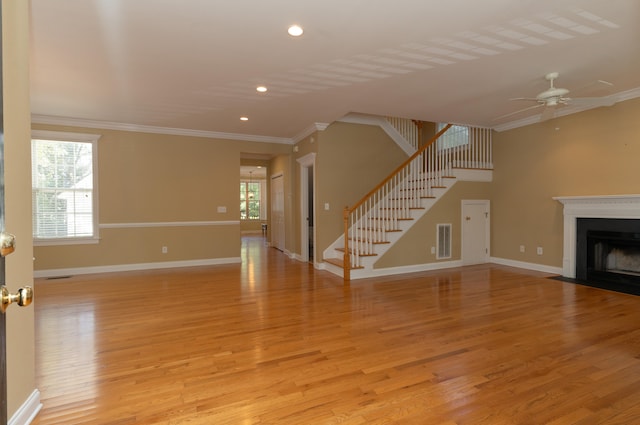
{"points": [[326, 206]]}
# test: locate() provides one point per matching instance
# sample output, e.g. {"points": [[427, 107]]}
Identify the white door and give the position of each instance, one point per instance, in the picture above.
{"points": [[475, 231], [7, 243], [277, 212]]}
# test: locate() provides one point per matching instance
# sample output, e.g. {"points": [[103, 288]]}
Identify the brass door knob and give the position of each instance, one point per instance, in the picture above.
{"points": [[23, 297]]}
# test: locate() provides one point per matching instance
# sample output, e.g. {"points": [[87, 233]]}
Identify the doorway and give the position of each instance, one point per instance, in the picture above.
{"points": [[475, 231], [307, 207]]}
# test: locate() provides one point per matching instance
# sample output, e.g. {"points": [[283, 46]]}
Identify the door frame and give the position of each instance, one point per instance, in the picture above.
{"points": [[487, 227], [306, 162], [278, 238], [3, 327]]}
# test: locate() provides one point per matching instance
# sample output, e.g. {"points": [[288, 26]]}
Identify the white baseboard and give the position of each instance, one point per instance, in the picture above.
{"points": [[528, 266], [388, 271], [358, 274], [28, 411], [134, 267]]}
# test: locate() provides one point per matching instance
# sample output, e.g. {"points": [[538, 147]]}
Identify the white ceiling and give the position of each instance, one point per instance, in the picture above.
{"points": [[194, 65]]}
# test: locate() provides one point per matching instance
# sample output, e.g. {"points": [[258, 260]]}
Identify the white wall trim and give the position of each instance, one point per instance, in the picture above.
{"points": [[388, 271], [524, 265], [170, 224], [308, 160], [358, 274], [107, 125], [316, 126], [28, 411], [135, 267]]}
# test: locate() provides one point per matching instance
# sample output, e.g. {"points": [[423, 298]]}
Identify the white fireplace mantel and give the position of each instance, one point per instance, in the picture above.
{"points": [[608, 206]]}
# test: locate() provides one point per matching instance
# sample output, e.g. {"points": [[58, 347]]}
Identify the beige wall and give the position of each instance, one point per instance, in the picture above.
{"points": [[145, 179], [352, 159], [161, 178], [17, 161], [414, 247], [595, 152]]}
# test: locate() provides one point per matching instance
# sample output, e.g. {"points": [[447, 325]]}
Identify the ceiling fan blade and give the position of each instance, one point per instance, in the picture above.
{"points": [[534, 99], [517, 112], [592, 101]]}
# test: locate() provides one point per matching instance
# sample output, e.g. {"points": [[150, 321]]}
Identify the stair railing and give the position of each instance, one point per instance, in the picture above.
{"points": [[391, 201], [382, 210], [410, 129]]}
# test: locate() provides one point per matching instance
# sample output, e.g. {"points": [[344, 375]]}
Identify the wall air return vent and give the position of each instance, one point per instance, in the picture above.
{"points": [[443, 248]]}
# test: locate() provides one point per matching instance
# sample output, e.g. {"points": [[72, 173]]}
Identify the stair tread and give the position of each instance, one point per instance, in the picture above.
{"points": [[359, 255], [375, 242], [375, 230], [388, 219], [397, 208], [338, 262]]}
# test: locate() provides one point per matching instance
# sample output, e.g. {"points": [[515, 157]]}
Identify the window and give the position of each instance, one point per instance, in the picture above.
{"points": [[250, 195], [457, 135], [63, 185]]}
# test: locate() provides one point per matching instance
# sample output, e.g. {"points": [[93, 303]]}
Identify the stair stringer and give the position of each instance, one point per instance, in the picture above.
{"points": [[368, 263]]}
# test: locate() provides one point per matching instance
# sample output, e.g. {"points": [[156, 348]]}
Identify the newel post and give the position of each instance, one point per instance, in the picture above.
{"points": [[346, 261]]}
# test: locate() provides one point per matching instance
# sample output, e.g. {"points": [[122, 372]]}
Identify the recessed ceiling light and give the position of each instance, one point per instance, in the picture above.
{"points": [[261, 89], [244, 118], [295, 31]]}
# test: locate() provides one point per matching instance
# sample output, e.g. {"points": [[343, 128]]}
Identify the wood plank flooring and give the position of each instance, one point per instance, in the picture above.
{"points": [[273, 341]]}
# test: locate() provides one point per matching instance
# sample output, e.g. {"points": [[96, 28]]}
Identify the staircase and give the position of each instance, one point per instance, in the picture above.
{"points": [[387, 212]]}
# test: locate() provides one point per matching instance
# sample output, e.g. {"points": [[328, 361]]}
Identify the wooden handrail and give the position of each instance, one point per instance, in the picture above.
{"points": [[397, 170], [349, 210]]}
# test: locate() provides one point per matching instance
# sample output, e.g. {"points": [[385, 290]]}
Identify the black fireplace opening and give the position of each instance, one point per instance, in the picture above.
{"points": [[608, 253]]}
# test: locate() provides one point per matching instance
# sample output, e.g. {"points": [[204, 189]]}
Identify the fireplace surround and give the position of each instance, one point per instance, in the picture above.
{"points": [[601, 243]]}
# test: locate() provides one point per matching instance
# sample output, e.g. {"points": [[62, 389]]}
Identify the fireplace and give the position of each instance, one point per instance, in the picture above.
{"points": [[608, 253], [602, 241]]}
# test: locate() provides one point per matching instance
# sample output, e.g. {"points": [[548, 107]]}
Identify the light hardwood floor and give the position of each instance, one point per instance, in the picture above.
{"points": [[273, 341]]}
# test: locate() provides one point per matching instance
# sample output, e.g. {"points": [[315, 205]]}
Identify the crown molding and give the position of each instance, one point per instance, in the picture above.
{"points": [[107, 125], [317, 126]]}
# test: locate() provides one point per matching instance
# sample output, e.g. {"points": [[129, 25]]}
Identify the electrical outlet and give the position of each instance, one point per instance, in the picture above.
{"points": [[521, 248], [165, 249], [433, 249], [539, 250]]}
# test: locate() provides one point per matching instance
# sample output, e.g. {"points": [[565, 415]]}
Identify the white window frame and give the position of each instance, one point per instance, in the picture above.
{"points": [[454, 137], [82, 138], [263, 203]]}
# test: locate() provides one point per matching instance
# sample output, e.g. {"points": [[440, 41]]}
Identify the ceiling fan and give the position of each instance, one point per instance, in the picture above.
{"points": [[553, 97]]}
